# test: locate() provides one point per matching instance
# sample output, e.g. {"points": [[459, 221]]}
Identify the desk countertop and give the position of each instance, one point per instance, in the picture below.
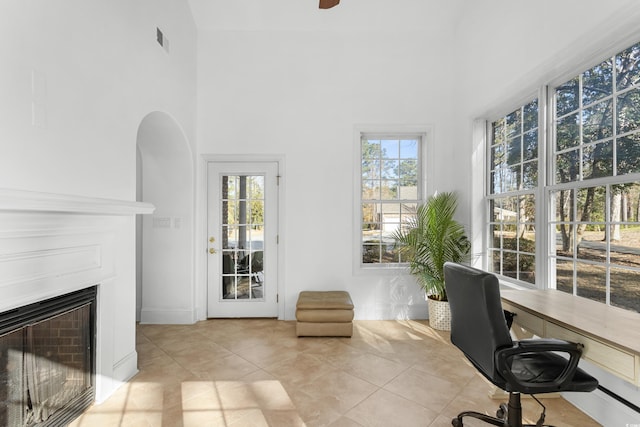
{"points": [[612, 325]]}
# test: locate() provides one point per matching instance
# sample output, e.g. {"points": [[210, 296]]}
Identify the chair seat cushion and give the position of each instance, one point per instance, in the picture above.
{"points": [[544, 367]]}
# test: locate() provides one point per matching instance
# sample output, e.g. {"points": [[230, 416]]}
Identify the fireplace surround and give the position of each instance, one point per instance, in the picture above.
{"points": [[47, 360], [53, 245]]}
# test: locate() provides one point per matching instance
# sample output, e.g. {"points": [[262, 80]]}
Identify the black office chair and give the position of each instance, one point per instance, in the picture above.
{"points": [[531, 366]]}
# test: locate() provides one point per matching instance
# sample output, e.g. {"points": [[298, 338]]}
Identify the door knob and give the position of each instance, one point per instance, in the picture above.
{"points": [[212, 251]]}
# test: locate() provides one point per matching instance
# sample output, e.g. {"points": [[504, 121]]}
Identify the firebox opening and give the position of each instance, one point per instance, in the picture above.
{"points": [[47, 360]]}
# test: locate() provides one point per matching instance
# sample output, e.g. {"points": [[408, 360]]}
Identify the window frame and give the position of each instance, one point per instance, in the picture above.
{"points": [[545, 210], [424, 133], [608, 265], [537, 191]]}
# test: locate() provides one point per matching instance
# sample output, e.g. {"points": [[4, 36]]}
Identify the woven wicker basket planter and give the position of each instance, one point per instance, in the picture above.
{"points": [[439, 314]]}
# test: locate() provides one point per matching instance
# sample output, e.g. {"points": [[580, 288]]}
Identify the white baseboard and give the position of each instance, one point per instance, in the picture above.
{"points": [[167, 317], [604, 409], [123, 371], [126, 368]]}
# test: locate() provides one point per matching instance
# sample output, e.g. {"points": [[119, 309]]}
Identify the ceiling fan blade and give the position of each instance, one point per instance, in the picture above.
{"points": [[327, 4]]}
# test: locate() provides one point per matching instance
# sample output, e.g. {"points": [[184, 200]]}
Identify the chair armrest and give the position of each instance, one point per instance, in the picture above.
{"points": [[548, 344], [508, 317], [573, 350]]}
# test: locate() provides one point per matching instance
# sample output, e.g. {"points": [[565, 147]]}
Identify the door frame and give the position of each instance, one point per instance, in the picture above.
{"points": [[201, 240]]}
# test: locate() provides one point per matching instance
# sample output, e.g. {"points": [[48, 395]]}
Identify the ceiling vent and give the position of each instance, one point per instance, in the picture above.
{"points": [[162, 39]]}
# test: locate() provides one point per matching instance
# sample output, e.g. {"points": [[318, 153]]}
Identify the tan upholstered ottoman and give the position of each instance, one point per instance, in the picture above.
{"points": [[324, 314]]}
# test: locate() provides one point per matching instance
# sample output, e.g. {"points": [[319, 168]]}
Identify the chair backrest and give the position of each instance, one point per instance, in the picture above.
{"points": [[478, 325]]}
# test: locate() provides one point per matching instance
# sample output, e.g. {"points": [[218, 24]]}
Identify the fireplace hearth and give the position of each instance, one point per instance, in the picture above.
{"points": [[47, 360]]}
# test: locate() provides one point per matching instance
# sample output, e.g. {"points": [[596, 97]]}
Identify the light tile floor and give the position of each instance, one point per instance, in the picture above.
{"points": [[243, 372]]}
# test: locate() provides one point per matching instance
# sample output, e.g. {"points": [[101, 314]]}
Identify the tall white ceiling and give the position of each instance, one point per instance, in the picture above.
{"points": [[349, 15]]}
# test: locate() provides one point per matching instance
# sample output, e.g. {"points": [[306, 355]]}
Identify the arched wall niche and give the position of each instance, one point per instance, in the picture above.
{"points": [[165, 259]]}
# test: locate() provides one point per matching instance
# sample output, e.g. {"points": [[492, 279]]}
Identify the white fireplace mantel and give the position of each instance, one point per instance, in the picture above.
{"points": [[19, 200], [52, 243]]}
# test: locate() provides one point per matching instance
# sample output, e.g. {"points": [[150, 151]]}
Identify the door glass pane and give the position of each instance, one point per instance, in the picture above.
{"points": [[243, 237]]}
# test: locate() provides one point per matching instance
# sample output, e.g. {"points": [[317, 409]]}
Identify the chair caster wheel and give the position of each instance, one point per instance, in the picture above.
{"points": [[456, 422], [502, 411]]}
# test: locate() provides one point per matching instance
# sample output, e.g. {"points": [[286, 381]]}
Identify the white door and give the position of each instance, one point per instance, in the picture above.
{"points": [[242, 241]]}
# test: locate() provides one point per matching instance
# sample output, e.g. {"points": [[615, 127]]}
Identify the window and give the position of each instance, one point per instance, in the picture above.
{"points": [[513, 180], [590, 186], [390, 191], [596, 188]]}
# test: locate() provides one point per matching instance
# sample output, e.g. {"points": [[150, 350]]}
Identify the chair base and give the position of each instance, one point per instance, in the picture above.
{"points": [[508, 415], [457, 422]]}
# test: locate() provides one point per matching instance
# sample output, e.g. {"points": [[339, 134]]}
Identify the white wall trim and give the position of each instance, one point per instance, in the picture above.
{"points": [[125, 368], [19, 200], [603, 409], [160, 316]]}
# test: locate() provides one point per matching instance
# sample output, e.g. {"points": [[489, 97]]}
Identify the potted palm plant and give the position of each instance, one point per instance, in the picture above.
{"points": [[428, 240]]}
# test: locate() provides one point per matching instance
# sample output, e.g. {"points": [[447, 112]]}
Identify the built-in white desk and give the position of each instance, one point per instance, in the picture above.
{"points": [[610, 335]]}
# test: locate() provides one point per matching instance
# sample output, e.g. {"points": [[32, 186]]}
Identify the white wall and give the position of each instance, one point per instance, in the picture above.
{"points": [[91, 70], [296, 81], [508, 48], [98, 72]]}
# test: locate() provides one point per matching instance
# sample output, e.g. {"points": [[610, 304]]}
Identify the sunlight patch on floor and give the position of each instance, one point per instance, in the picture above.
{"points": [[235, 403]]}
